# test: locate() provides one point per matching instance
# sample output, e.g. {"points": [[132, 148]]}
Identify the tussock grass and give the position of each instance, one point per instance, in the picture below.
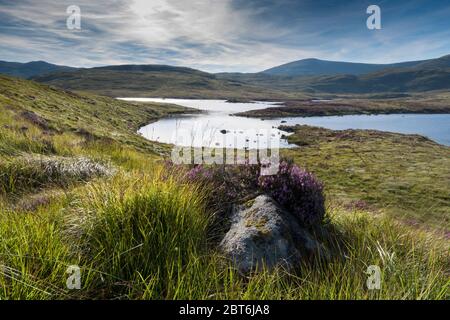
{"points": [[413, 264], [141, 226]]}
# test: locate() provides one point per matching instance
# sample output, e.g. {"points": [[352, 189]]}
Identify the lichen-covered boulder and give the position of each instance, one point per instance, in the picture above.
{"points": [[262, 233]]}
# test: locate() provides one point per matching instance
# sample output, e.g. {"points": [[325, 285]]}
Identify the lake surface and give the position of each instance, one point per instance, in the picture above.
{"points": [[217, 127]]}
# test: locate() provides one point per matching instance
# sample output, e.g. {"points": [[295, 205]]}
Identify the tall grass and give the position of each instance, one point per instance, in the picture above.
{"points": [[413, 266], [141, 226], [33, 255]]}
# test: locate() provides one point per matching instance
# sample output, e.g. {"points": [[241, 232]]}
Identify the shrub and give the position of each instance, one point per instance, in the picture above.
{"points": [[298, 190]]}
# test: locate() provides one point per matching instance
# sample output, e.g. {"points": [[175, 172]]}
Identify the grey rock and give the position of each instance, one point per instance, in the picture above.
{"points": [[264, 234]]}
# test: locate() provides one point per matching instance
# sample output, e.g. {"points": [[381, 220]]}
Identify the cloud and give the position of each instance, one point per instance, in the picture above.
{"points": [[219, 35]]}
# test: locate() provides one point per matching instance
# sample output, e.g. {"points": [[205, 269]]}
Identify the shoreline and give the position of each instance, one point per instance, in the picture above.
{"points": [[263, 116], [348, 107]]}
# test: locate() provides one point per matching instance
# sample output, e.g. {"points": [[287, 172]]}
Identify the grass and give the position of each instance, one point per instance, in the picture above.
{"points": [[140, 226], [406, 176], [152, 244], [144, 233]]}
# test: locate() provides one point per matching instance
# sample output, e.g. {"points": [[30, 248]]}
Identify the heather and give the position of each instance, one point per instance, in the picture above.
{"points": [[294, 188], [298, 190]]}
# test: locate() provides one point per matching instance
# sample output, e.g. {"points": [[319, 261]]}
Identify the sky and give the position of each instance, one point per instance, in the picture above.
{"points": [[222, 35]]}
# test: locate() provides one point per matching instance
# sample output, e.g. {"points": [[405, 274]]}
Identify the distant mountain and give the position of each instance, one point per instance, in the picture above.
{"points": [[394, 81], [425, 76], [314, 67], [30, 69], [416, 76]]}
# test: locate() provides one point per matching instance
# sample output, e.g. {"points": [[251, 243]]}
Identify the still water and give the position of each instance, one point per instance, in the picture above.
{"points": [[217, 127]]}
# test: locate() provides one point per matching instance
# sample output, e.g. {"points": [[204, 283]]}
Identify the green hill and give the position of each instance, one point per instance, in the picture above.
{"points": [[390, 80], [157, 81]]}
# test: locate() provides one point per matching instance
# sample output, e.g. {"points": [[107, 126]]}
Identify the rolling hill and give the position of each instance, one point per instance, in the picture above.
{"points": [[157, 81]]}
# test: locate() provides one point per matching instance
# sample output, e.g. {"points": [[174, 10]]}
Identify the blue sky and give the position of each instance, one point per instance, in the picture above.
{"points": [[222, 35]]}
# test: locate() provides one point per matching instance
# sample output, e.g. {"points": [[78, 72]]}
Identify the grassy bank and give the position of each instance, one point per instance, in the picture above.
{"points": [[79, 187], [406, 176]]}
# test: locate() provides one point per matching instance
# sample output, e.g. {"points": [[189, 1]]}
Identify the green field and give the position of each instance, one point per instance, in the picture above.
{"points": [[78, 186]]}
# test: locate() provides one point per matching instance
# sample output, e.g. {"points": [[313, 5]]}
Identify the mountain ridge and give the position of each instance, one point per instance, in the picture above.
{"points": [[314, 66]]}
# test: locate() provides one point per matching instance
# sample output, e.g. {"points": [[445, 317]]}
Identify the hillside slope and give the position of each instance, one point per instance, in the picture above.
{"points": [[30, 69], [314, 67], [403, 175], [83, 114]]}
